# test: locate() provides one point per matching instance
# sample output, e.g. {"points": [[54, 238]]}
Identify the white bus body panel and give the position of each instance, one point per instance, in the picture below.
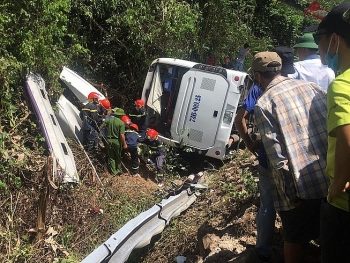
{"points": [[79, 86]]}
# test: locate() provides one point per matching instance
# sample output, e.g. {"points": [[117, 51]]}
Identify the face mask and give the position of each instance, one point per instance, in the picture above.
{"points": [[333, 62]]}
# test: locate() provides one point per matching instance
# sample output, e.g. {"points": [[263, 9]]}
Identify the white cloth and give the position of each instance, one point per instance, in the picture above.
{"points": [[311, 69], [154, 99]]}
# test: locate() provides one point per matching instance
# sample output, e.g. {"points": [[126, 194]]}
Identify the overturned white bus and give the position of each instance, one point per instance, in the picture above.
{"points": [[193, 104]]}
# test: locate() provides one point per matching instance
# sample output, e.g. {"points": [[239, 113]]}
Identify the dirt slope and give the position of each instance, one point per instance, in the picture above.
{"points": [[218, 227]]}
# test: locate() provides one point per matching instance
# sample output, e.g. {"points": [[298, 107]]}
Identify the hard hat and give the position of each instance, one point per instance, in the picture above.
{"points": [[134, 126], [126, 119], [140, 103], [105, 103], [93, 95], [152, 134]]}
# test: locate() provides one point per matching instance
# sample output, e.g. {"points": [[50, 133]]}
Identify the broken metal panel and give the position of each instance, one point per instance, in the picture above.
{"points": [[174, 205], [56, 142]]}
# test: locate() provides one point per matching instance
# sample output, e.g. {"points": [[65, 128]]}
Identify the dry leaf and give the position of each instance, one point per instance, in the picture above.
{"points": [[51, 232], [20, 157]]}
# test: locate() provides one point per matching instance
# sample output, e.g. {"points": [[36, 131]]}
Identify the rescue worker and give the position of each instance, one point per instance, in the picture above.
{"points": [[108, 114], [132, 138], [105, 105], [157, 153], [126, 120], [91, 121], [115, 140], [138, 116]]}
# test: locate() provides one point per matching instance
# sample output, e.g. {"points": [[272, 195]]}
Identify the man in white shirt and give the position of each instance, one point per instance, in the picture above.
{"points": [[309, 67]]}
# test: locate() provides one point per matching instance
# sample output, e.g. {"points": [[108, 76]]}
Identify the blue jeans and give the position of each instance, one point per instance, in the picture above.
{"points": [[265, 219], [238, 66]]}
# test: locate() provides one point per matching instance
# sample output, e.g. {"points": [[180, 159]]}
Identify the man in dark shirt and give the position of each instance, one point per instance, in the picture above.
{"points": [[157, 153], [132, 139], [227, 63], [138, 116], [242, 53], [91, 120]]}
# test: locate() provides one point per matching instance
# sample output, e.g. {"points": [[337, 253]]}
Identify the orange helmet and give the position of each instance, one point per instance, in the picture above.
{"points": [[140, 103], [152, 134], [126, 120], [93, 95], [105, 103], [134, 126]]}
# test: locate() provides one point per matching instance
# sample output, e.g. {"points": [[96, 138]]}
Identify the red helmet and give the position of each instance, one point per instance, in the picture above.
{"points": [[105, 103], [93, 95], [152, 134], [126, 120], [134, 126], [140, 103]]}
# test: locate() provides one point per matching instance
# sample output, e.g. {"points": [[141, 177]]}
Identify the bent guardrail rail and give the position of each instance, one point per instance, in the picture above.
{"points": [[139, 231]]}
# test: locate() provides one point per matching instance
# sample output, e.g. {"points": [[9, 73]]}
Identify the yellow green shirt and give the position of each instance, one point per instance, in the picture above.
{"points": [[338, 104]]}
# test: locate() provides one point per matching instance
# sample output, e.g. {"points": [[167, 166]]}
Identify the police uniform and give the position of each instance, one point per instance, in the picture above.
{"points": [[139, 118], [157, 153], [132, 139], [91, 119]]}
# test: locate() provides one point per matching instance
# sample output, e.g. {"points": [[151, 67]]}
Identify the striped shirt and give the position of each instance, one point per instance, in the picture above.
{"points": [[291, 116]]}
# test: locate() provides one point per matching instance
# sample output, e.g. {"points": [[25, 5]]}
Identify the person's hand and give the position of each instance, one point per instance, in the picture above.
{"points": [[336, 190], [125, 146]]}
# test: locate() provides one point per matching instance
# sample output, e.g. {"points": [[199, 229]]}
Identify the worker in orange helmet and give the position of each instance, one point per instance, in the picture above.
{"points": [[91, 121], [157, 153], [126, 120], [106, 113], [105, 104], [132, 139], [138, 116]]}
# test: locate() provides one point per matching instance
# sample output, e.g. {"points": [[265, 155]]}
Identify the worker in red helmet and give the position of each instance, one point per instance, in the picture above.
{"points": [[157, 153], [106, 114], [91, 121], [138, 116], [105, 104], [126, 120], [132, 139], [93, 95]]}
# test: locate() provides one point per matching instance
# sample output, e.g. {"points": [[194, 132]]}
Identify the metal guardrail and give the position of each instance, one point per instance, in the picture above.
{"points": [[138, 232]]}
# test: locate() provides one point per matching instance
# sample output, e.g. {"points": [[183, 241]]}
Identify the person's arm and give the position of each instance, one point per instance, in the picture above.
{"points": [[123, 141], [341, 164], [241, 125], [272, 139]]}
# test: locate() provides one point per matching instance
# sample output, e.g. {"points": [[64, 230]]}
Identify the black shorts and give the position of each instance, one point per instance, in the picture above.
{"points": [[302, 224]]}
